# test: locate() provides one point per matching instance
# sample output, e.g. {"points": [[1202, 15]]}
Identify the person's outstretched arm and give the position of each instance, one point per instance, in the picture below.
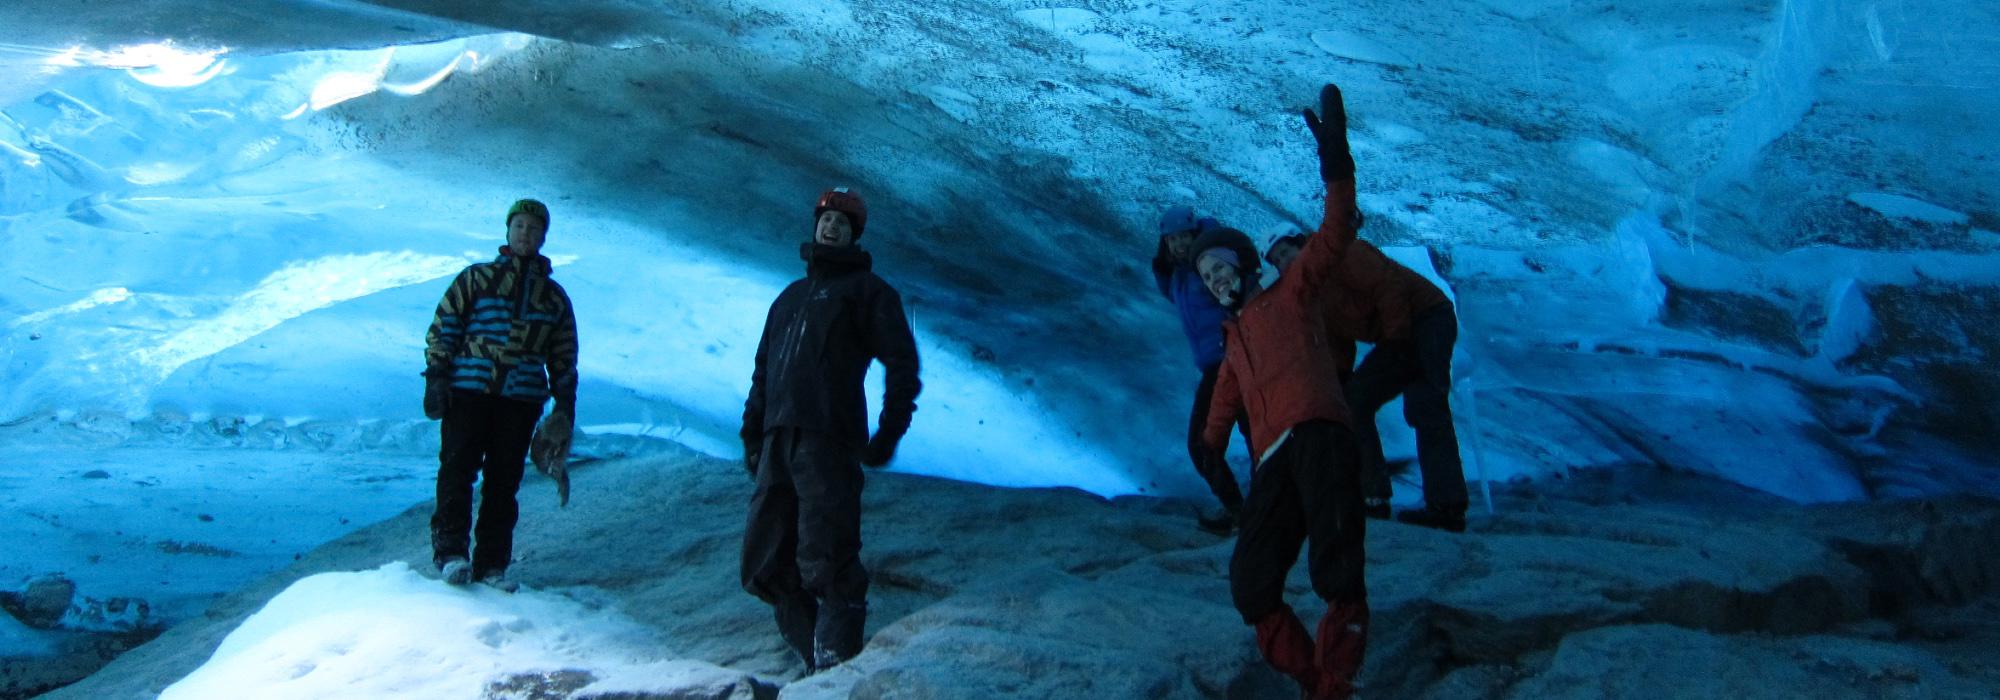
{"points": [[1321, 254]]}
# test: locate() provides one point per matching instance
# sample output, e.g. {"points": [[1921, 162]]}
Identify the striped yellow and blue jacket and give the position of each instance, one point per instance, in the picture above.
{"points": [[505, 328]]}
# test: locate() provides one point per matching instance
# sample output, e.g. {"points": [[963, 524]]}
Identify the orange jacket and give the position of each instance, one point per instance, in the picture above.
{"points": [[1373, 298], [1279, 357]]}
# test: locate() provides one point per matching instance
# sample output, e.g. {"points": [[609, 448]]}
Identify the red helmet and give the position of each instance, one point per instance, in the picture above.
{"points": [[845, 202]]}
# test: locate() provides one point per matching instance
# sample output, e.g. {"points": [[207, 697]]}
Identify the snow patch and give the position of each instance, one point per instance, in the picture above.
{"points": [[392, 633], [1355, 47], [1396, 135], [1618, 168], [288, 293], [1057, 19], [1634, 259], [101, 297], [1896, 206], [952, 101], [1849, 321], [1109, 53]]}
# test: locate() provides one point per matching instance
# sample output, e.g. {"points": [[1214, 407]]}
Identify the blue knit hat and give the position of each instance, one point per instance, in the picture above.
{"points": [[1176, 219]]}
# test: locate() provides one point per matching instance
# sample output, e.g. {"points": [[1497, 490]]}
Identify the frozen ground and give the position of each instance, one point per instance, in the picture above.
{"points": [[1641, 583]]}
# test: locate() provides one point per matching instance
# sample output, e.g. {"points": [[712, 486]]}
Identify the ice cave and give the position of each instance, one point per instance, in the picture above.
{"points": [[1725, 383]]}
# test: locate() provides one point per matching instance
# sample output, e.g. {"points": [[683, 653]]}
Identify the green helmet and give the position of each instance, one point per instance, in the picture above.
{"points": [[529, 206]]}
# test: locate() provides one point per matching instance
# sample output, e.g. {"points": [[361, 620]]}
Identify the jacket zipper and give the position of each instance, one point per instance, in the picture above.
{"points": [[798, 329]]}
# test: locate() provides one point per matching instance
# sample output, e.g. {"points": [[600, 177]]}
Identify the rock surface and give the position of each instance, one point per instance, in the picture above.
{"points": [[1667, 588]]}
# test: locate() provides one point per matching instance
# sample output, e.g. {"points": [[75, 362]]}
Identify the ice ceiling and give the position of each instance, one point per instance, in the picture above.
{"points": [[1755, 240]]}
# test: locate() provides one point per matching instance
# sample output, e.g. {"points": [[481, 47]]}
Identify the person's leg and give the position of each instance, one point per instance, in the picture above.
{"points": [[459, 455], [770, 568], [1266, 548], [829, 485], [1330, 497], [506, 456], [1381, 376], [1221, 481], [1427, 407]]}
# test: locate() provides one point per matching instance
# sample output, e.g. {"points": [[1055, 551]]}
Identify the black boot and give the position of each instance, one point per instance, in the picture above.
{"points": [[797, 617], [1376, 508], [838, 637], [1438, 519]]}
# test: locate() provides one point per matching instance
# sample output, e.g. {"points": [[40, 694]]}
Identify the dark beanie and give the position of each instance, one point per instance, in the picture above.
{"points": [[529, 206]]}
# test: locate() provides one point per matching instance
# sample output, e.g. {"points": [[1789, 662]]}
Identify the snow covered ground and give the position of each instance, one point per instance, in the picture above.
{"points": [[1615, 584]]}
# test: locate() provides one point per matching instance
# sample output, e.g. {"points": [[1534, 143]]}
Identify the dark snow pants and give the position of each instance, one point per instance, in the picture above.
{"points": [[1307, 494], [1221, 481], [485, 436], [802, 544], [1419, 368]]}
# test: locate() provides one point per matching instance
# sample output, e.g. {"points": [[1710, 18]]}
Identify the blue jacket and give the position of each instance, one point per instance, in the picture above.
{"points": [[1201, 317]]}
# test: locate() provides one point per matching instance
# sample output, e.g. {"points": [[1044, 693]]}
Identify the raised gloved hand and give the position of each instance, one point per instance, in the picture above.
{"points": [[550, 449], [437, 393], [1329, 130]]}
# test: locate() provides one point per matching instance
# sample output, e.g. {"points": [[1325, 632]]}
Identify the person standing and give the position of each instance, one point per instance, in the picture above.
{"points": [[1305, 487], [1201, 321], [805, 434], [501, 345], [1413, 327]]}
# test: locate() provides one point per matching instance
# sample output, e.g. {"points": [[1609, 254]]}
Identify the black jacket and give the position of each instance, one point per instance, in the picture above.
{"points": [[818, 340]]}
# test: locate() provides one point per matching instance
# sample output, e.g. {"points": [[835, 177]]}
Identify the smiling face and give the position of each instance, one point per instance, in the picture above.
{"points": [[525, 234], [1221, 279], [832, 228]]}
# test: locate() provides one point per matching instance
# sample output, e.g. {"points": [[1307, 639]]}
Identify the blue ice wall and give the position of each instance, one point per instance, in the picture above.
{"points": [[1755, 241]]}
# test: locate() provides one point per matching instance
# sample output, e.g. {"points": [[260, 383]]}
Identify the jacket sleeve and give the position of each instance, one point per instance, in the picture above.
{"points": [[891, 342], [1163, 271], [753, 407], [562, 356], [1224, 407], [447, 331], [1320, 259]]}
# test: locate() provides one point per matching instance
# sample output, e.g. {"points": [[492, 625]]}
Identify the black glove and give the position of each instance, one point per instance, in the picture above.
{"points": [[753, 455], [1329, 130], [889, 430], [437, 393], [880, 450]]}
